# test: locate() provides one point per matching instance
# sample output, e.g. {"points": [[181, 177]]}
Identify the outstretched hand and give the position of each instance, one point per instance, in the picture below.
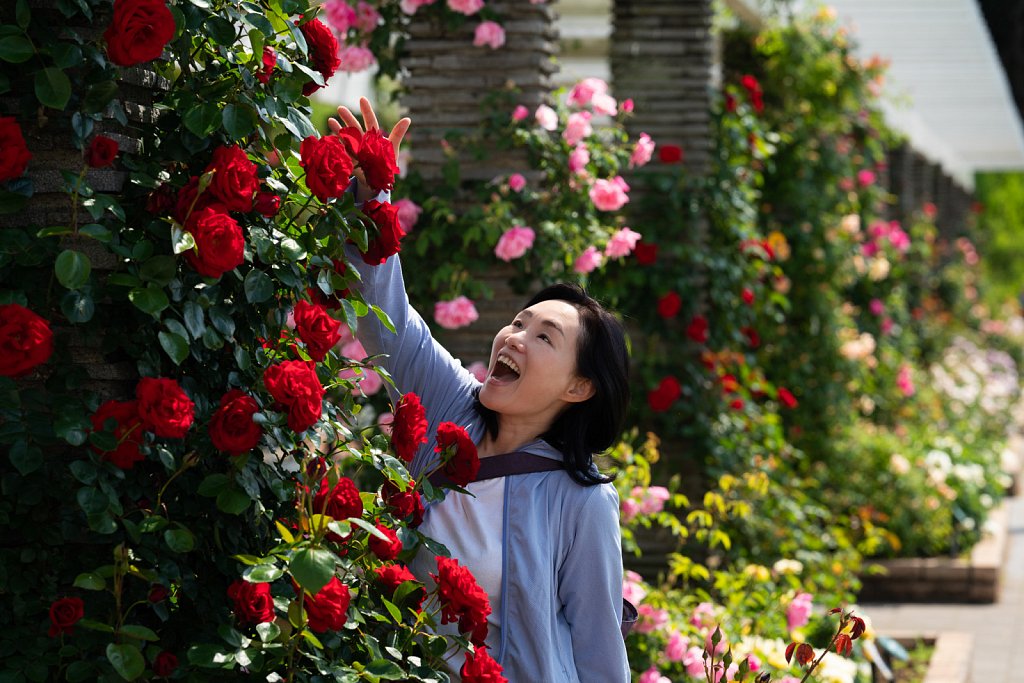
{"points": [[364, 191]]}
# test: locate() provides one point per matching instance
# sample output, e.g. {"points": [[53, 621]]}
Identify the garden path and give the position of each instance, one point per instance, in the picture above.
{"points": [[998, 628]]}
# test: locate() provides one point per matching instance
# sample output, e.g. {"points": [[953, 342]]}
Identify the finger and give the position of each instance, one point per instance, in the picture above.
{"points": [[349, 118], [334, 126], [398, 132], [369, 118]]}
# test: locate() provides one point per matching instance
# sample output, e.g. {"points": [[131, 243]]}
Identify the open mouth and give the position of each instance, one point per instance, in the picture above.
{"points": [[505, 370]]}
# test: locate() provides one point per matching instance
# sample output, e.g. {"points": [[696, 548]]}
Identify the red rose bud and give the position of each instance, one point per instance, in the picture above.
{"points": [[220, 244], [323, 52], [462, 600], [294, 385], [389, 232], [101, 151], [736, 404], [64, 614], [405, 505], [409, 429], [462, 462], [328, 609], [748, 296], [481, 668], [164, 408], [729, 384], [787, 398], [328, 166], [138, 31], [670, 154], [667, 393], [268, 204], [385, 550], [253, 603], [26, 340], [15, 155], [316, 328], [128, 431], [234, 181], [669, 305], [165, 664], [232, 429]]}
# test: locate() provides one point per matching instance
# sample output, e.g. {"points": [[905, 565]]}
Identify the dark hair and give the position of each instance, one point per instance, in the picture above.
{"points": [[590, 426]]}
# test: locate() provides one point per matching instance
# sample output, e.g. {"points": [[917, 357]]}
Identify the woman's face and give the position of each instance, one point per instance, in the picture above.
{"points": [[532, 371]]}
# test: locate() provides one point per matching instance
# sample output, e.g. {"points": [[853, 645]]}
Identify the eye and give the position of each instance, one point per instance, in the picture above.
{"points": [[544, 337], [518, 324]]}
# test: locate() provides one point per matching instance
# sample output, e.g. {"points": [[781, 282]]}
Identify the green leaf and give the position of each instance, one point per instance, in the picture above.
{"points": [[312, 568], [72, 268], [292, 250], [233, 501], [383, 318], [83, 470], [385, 669], [16, 49], [194, 319], [66, 55], [77, 306], [99, 96], [213, 484], [239, 120], [210, 657], [26, 458], [90, 582], [95, 231], [268, 631], [181, 240], [22, 14], [174, 345], [263, 573], [16, 196], [159, 269], [53, 87], [139, 632], [80, 671], [92, 500], [127, 660], [202, 119], [179, 540], [222, 320], [300, 123], [149, 299], [395, 613], [367, 527], [94, 625], [221, 30], [258, 286]]}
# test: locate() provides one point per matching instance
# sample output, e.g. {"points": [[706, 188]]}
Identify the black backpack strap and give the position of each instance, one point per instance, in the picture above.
{"points": [[504, 465]]}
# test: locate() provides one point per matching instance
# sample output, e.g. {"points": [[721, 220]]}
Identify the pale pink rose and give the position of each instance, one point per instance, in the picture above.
{"points": [[577, 127], [694, 662], [754, 663], [408, 213], [355, 58], [478, 370], [676, 647], [587, 261], [604, 104], [385, 421], [703, 615], [865, 177], [886, 326], [627, 105], [466, 7], [608, 195], [730, 673], [652, 675], [367, 17], [642, 151], [354, 350], [410, 6], [490, 34], [456, 313], [651, 619], [653, 500], [905, 380], [514, 243], [520, 113], [579, 157], [583, 92], [898, 238], [546, 117], [630, 508], [876, 307], [340, 15], [516, 182], [799, 611], [621, 243], [632, 587]]}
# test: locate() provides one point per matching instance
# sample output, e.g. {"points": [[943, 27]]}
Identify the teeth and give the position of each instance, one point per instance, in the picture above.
{"points": [[510, 363]]}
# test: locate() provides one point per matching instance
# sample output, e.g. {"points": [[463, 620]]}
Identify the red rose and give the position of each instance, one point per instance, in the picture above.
{"points": [[409, 428], [667, 393], [787, 398], [697, 330], [165, 664], [269, 62], [748, 296], [138, 31], [385, 550], [158, 593], [669, 305], [128, 431], [294, 384], [462, 462], [101, 151], [268, 204], [220, 244], [729, 384], [234, 182], [323, 52], [670, 154], [64, 614], [481, 668], [26, 340], [165, 409], [189, 200], [376, 156], [405, 505], [253, 602], [391, 576], [328, 166], [753, 338], [646, 254], [462, 599], [327, 610], [14, 154], [736, 404], [316, 328], [340, 502], [390, 233], [232, 428]]}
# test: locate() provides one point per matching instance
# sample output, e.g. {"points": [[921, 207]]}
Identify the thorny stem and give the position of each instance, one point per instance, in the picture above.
{"points": [[814, 665]]}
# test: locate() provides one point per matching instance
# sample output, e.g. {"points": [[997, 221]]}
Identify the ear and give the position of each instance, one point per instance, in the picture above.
{"points": [[580, 389]]}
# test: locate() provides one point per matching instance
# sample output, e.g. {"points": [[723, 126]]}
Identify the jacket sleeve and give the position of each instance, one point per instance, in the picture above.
{"points": [[590, 589]]}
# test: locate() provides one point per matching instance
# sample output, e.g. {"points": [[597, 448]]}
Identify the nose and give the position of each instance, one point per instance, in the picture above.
{"points": [[514, 340]]}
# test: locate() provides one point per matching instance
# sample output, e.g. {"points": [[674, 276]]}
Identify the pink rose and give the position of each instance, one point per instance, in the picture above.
{"points": [[410, 6], [621, 243], [694, 662], [589, 260], [583, 92], [632, 587], [466, 7], [604, 104], [651, 619], [367, 17], [520, 113], [676, 647], [876, 307], [642, 151], [577, 128], [408, 213], [340, 15], [905, 380], [609, 195], [627, 105], [653, 500], [456, 313], [579, 158], [514, 243], [630, 509], [546, 117], [799, 611], [652, 675], [516, 182], [700, 614], [490, 34], [356, 58], [865, 177], [478, 370], [754, 662]]}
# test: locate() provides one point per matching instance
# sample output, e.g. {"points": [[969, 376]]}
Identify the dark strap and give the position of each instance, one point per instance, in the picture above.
{"points": [[505, 465]]}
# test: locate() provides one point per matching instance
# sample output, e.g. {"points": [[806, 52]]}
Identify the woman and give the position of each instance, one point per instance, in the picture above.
{"points": [[544, 545]]}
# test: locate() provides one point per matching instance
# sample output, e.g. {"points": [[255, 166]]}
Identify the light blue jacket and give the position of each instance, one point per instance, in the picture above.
{"points": [[562, 560]]}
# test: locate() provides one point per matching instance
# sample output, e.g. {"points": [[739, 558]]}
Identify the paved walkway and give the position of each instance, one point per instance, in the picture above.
{"points": [[998, 629]]}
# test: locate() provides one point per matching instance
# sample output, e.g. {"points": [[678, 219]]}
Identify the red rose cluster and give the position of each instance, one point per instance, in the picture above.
{"points": [[316, 328], [138, 31], [375, 155], [295, 386], [458, 452], [15, 157], [462, 599], [409, 428], [405, 505], [26, 340]]}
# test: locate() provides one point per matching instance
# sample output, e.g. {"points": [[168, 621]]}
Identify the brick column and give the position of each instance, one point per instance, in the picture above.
{"points": [[899, 162]]}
